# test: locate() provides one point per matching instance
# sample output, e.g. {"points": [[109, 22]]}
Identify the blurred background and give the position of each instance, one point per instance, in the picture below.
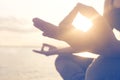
{"points": [[18, 37]]}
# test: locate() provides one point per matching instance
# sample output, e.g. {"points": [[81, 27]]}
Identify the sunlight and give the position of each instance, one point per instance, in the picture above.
{"points": [[87, 55], [52, 11], [82, 23], [117, 34]]}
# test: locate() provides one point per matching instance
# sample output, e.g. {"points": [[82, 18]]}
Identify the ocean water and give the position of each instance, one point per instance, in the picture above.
{"points": [[20, 63]]}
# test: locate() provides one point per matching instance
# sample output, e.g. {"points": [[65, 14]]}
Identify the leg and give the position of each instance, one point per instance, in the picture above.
{"points": [[72, 67], [104, 68]]}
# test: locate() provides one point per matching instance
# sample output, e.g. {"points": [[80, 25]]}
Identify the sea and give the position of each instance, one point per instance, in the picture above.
{"points": [[21, 63]]}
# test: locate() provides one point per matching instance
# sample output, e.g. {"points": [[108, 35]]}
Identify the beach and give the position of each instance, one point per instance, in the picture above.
{"points": [[20, 63]]}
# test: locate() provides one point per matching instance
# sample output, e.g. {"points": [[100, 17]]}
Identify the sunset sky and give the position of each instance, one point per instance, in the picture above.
{"points": [[16, 27]]}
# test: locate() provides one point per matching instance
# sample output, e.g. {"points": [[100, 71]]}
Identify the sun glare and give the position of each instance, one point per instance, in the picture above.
{"points": [[82, 23], [87, 55]]}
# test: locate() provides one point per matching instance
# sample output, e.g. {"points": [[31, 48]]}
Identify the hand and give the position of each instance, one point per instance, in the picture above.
{"points": [[87, 11], [47, 50], [48, 29], [47, 53]]}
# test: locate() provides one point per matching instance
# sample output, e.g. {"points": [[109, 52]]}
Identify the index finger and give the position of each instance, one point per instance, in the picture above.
{"points": [[40, 52]]}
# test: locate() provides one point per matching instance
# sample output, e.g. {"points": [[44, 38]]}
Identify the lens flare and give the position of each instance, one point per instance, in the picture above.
{"points": [[87, 55], [82, 23]]}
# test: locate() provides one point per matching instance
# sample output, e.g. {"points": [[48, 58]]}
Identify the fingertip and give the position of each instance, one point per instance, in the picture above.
{"points": [[35, 19]]}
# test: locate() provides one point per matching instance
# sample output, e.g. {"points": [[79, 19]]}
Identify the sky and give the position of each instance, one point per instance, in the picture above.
{"points": [[16, 27]]}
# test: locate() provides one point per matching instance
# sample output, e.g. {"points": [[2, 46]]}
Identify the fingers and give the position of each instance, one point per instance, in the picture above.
{"points": [[87, 11], [41, 52], [40, 24], [48, 46], [46, 50], [34, 19], [36, 51], [48, 29]]}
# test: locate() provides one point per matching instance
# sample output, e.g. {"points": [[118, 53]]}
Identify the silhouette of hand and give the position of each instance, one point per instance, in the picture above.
{"points": [[87, 11], [38, 23], [47, 50], [48, 29]]}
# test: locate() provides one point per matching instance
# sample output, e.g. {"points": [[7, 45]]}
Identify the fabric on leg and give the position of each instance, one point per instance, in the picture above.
{"points": [[104, 68], [70, 68]]}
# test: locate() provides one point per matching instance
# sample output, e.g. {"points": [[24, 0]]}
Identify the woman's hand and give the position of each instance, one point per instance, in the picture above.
{"points": [[55, 51], [47, 50], [47, 53], [87, 11]]}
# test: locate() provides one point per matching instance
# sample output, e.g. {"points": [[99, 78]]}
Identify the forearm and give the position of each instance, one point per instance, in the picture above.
{"points": [[68, 50]]}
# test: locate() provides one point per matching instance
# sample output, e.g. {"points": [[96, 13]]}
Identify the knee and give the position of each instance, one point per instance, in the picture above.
{"points": [[64, 64], [68, 69], [60, 62]]}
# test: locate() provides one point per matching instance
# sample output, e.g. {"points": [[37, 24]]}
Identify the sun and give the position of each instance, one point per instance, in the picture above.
{"points": [[82, 23]]}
